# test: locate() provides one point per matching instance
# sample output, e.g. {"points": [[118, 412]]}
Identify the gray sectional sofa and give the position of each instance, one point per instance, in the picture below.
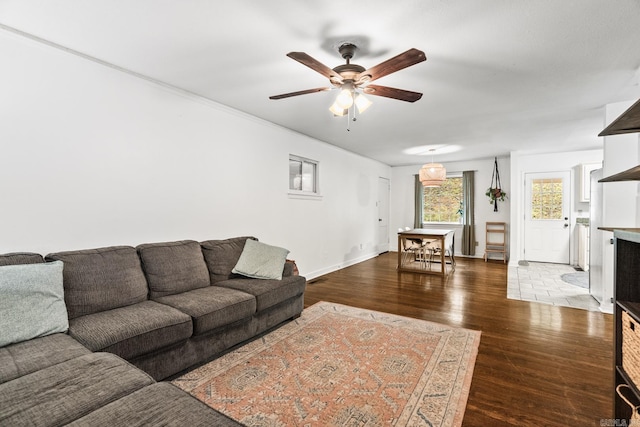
{"points": [[137, 316]]}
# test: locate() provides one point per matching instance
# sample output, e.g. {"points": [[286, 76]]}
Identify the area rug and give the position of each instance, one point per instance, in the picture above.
{"points": [[343, 366], [579, 278]]}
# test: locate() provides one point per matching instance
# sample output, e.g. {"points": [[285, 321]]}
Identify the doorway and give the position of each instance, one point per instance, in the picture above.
{"points": [[384, 189], [547, 233]]}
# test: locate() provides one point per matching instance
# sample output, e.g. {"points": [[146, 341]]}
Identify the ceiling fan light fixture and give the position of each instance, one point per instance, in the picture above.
{"points": [[362, 102], [345, 98], [337, 110]]}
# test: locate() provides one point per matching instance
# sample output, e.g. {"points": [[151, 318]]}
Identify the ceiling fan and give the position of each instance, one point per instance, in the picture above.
{"points": [[353, 78]]}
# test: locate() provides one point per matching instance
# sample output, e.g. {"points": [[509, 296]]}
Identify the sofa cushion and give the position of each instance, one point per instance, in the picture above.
{"points": [[26, 357], [67, 391], [101, 279], [212, 307], [32, 302], [261, 261], [157, 404], [268, 292], [222, 255], [173, 267], [132, 330], [20, 258]]}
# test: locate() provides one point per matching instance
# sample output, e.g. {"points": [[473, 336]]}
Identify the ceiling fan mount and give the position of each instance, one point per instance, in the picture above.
{"points": [[354, 76], [348, 72], [347, 51]]}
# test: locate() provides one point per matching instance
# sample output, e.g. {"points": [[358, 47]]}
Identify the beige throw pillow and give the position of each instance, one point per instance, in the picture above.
{"points": [[261, 261], [31, 302]]}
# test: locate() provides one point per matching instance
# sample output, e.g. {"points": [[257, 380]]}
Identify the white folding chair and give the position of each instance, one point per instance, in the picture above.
{"points": [[435, 250], [415, 247]]}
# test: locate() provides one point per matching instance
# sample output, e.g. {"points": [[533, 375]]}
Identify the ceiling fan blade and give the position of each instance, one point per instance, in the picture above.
{"points": [[315, 65], [404, 60], [391, 92], [301, 92]]}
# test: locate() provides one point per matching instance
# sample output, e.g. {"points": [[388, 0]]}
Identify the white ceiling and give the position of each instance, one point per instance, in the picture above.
{"points": [[500, 75]]}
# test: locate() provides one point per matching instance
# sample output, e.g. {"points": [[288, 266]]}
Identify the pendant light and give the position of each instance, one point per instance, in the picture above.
{"points": [[432, 174]]}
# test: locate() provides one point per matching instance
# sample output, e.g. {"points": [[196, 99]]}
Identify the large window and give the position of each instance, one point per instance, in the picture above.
{"points": [[303, 176], [444, 203]]}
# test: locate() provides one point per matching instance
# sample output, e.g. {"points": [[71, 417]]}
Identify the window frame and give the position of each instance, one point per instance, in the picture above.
{"points": [[445, 223], [315, 176]]}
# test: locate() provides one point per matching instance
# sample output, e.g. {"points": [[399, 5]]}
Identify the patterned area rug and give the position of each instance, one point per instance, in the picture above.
{"points": [[579, 278], [343, 366]]}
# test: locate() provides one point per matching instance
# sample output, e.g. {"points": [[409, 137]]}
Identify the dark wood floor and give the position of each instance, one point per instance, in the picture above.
{"points": [[537, 365]]}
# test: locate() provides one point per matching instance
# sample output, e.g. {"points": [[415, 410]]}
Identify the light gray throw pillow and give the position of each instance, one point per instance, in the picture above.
{"points": [[31, 302], [261, 261]]}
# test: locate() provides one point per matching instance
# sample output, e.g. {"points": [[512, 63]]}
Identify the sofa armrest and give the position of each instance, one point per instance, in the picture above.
{"points": [[290, 268]]}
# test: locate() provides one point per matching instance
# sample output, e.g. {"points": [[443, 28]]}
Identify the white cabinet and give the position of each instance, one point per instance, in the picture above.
{"points": [[585, 180], [583, 247]]}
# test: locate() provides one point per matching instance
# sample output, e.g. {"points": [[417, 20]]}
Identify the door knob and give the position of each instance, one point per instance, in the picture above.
{"points": [[566, 225]]}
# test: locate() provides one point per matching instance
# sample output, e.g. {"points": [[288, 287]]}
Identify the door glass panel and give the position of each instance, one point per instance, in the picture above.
{"points": [[546, 198]]}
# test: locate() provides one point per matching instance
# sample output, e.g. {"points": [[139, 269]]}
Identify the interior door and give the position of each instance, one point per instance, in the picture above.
{"points": [[383, 215], [547, 217]]}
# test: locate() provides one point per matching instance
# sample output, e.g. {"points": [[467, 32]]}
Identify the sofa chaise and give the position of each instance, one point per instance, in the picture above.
{"points": [[132, 317]]}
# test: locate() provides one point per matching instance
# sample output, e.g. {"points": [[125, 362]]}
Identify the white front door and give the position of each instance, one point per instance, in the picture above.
{"points": [[383, 215], [547, 217]]}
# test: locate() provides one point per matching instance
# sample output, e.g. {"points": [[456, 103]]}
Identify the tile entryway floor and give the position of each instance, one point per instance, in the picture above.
{"points": [[541, 282]]}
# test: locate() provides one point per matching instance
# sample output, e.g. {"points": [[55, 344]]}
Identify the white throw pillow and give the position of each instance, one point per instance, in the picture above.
{"points": [[31, 302], [261, 261]]}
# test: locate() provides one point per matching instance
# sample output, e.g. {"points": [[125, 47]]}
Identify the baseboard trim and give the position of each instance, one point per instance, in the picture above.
{"points": [[321, 272]]}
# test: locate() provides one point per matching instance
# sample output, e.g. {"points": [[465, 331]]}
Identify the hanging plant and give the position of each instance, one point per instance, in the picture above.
{"points": [[495, 192]]}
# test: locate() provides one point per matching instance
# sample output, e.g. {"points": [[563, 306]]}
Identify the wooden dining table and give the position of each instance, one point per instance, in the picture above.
{"points": [[425, 235]]}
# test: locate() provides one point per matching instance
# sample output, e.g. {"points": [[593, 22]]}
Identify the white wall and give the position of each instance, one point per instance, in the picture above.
{"points": [[620, 199], [621, 152], [91, 156], [402, 199], [522, 164]]}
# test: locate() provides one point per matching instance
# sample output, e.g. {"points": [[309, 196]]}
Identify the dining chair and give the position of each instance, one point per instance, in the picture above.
{"points": [[434, 249], [415, 247]]}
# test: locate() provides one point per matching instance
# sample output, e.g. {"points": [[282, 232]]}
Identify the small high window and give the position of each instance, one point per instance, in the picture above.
{"points": [[303, 176]]}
